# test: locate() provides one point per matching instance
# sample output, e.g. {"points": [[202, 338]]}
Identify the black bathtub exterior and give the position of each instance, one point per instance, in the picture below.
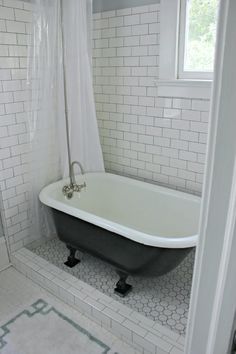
{"points": [[127, 256]]}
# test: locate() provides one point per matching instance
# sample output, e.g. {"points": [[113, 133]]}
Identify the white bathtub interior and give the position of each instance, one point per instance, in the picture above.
{"points": [[143, 212]]}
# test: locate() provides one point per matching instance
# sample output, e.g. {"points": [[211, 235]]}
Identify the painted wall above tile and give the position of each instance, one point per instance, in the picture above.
{"points": [[109, 5]]}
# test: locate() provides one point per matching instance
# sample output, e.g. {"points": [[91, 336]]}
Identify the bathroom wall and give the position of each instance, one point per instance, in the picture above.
{"points": [[108, 5], [14, 31], [158, 139]]}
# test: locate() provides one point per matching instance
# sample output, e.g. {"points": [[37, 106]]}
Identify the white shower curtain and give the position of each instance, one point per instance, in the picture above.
{"points": [[46, 110], [84, 138]]}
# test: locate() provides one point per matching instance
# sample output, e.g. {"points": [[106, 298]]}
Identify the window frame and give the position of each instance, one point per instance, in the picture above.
{"points": [[168, 83], [184, 74]]}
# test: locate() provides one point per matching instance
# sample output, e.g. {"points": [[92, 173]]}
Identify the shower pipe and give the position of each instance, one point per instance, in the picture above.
{"points": [[65, 92], [68, 189], [72, 187]]}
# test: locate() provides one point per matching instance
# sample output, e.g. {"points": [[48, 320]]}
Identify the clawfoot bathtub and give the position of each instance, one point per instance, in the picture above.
{"points": [[137, 227]]}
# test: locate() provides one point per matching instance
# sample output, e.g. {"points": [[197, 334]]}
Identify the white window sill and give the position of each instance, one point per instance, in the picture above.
{"points": [[200, 89]]}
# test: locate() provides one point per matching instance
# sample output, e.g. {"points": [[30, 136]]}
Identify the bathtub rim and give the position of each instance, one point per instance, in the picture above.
{"points": [[132, 234]]}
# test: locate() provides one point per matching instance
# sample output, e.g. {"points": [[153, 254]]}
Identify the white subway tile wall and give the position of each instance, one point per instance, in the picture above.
{"points": [[15, 17], [157, 139]]}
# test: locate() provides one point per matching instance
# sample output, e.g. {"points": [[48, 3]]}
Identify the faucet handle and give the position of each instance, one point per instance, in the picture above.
{"points": [[78, 187], [66, 189]]}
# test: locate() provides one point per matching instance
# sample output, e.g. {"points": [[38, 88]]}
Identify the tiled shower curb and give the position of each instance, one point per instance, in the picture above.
{"points": [[142, 333]]}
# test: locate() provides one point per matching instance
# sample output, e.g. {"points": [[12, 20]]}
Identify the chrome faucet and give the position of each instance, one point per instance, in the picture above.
{"points": [[69, 189], [72, 172]]}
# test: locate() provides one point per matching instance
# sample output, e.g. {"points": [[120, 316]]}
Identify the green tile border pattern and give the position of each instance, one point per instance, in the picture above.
{"points": [[41, 307]]}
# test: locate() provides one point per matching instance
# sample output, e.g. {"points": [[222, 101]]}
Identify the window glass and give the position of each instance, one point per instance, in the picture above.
{"points": [[200, 35]]}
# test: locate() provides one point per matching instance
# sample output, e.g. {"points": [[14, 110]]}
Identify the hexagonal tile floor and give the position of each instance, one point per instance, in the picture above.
{"points": [[164, 299]]}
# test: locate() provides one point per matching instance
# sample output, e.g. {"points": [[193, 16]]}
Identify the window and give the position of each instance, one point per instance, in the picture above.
{"points": [[197, 35], [187, 45]]}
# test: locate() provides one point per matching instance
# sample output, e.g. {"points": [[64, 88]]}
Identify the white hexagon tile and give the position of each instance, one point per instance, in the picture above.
{"points": [[163, 299]]}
